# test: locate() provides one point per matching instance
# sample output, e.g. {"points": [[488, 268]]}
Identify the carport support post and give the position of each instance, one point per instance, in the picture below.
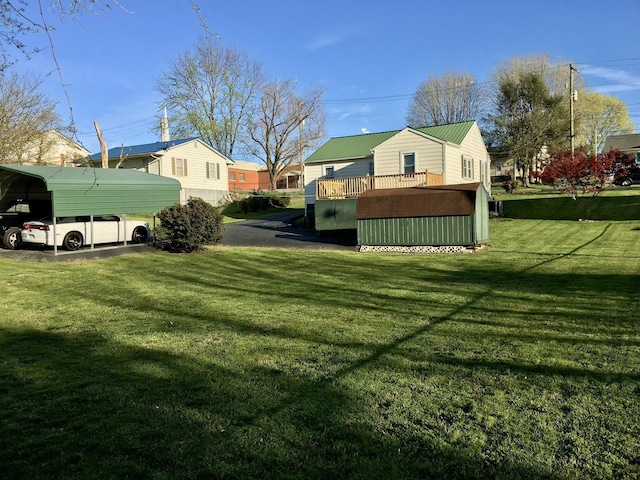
{"points": [[124, 226], [55, 244], [91, 227]]}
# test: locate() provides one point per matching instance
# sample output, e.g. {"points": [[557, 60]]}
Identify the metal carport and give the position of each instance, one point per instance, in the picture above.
{"points": [[88, 191]]}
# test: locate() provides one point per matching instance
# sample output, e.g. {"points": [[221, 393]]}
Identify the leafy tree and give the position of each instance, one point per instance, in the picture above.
{"points": [[284, 125], [211, 92], [25, 117], [599, 116], [527, 117], [583, 177], [446, 98]]}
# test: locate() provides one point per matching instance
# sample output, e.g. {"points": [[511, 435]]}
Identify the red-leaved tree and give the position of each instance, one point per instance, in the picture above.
{"points": [[583, 177]]}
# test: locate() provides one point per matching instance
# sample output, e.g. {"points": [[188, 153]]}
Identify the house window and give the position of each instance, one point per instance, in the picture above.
{"points": [[213, 170], [179, 167], [329, 172], [232, 176], [408, 163], [467, 167], [371, 168], [242, 179]]}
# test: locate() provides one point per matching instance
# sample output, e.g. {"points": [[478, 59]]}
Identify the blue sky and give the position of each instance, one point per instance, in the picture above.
{"points": [[368, 56]]}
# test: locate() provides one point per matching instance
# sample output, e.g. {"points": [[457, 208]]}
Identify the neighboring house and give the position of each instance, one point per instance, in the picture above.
{"points": [[625, 143], [244, 176], [502, 165], [289, 179], [251, 176], [345, 167], [54, 149], [200, 169]]}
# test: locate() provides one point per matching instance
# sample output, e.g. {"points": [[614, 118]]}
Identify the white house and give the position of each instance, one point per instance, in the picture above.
{"points": [[200, 169], [456, 152], [54, 149]]}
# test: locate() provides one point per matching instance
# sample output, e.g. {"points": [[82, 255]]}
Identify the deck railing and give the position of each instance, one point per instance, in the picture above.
{"points": [[338, 188]]}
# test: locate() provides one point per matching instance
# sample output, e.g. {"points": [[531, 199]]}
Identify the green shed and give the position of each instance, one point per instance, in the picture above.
{"points": [[87, 191], [446, 215]]}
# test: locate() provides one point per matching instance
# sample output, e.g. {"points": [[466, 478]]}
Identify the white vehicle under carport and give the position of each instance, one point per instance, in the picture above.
{"points": [[74, 232]]}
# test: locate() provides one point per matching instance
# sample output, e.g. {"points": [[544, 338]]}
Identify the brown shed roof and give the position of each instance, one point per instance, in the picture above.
{"points": [[443, 200]]}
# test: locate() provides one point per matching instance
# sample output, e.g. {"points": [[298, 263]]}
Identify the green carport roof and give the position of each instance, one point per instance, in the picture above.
{"points": [[96, 191]]}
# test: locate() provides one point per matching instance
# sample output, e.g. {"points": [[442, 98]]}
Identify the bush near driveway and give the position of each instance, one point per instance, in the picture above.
{"points": [[188, 228]]}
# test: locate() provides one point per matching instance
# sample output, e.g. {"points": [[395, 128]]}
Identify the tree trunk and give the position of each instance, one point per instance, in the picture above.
{"points": [[104, 152]]}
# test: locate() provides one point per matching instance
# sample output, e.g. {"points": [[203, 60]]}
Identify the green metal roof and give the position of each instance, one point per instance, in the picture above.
{"points": [[452, 132], [360, 146], [90, 191]]}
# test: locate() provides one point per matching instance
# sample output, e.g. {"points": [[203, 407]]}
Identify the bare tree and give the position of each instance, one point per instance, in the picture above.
{"points": [[210, 93], [25, 117], [447, 98], [284, 126], [554, 74]]}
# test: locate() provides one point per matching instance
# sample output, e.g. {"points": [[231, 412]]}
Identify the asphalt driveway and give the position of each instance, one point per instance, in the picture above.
{"points": [[279, 231]]}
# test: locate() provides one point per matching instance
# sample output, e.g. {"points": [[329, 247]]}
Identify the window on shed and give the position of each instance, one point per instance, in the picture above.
{"points": [[242, 177], [213, 170], [408, 163], [329, 172], [179, 167], [232, 176], [467, 167]]}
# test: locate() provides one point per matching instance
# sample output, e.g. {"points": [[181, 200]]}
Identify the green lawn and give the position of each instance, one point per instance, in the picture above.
{"points": [[520, 361], [618, 203]]}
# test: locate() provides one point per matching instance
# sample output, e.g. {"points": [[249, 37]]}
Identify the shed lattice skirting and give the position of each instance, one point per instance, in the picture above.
{"points": [[416, 249]]}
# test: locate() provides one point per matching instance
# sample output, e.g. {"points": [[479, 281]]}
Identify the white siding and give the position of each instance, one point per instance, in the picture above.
{"points": [[195, 183], [388, 154], [472, 146]]}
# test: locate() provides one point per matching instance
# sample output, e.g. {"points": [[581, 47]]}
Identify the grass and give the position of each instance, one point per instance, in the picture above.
{"points": [[542, 203], [522, 361]]}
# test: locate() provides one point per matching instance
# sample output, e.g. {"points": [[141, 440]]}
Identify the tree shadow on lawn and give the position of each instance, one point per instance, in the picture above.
{"points": [[85, 406]]}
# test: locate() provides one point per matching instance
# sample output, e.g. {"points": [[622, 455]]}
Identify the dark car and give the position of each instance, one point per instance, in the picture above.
{"points": [[631, 176], [13, 218]]}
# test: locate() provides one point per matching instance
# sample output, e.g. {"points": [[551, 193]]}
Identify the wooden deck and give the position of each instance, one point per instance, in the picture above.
{"points": [[352, 187]]}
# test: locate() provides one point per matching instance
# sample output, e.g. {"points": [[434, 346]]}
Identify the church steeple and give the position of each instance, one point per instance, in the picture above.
{"points": [[165, 136]]}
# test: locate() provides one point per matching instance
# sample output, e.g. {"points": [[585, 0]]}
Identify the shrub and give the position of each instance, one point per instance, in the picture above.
{"points": [[509, 186], [188, 228], [260, 201]]}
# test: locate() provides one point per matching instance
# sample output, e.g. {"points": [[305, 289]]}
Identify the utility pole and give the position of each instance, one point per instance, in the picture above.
{"points": [[301, 148], [571, 100]]}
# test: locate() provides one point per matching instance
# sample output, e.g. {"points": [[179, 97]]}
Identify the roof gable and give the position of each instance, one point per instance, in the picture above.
{"points": [[358, 147]]}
